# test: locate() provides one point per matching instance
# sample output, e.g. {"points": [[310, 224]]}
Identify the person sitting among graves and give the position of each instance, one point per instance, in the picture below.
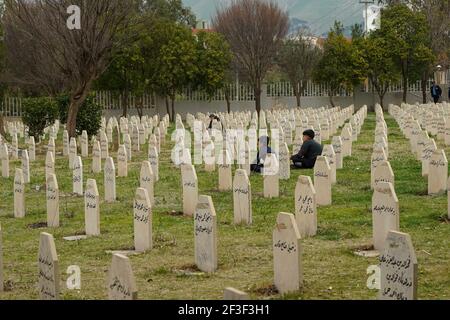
{"points": [[307, 156], [263, 150]]}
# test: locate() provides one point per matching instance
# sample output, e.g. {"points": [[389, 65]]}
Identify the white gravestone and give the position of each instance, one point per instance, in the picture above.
{"points": [[383, 173], [205, 229], [77, 177], [92, 209], [127, 143], [49, 164], [385, 213], [121, 284], [51, 146], [104, 145], [147, 180], [322, 181], [52, 201], [110, 180], [437, 173], [19, 194], [271, 176], [190, 189], [65, 143], [32, 149], [225, 176], [328, 152], [231, 294], [154, 161], [26, 166], [398, 268], [122, 161], [142, 221], [242, 198], [72, 152], [285, 165], [4, 155], [96, 158], [84, 144], [305, 207], [287, 253], [337, 146], [378, 156], [48, 266]]}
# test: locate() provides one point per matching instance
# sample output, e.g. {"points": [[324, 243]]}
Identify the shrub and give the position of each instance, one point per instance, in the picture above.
{"points": [[89, 115], [39, 113]]}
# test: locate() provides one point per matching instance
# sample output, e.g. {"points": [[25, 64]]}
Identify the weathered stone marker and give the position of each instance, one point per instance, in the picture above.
{"points": [[287, 252], [437, 173], [96, 158], [26, 166], [121, 284], [48, 266], [92, 209], [77, 177], [399, 268], [142, 221], [205, 229], [19, 194], [4, 156], [328, 152], [383, 173], [154, 161], [147, 180], [271, 177], [322, 181], [305, 207], [225, 176], [234, 294], [337, 146], [385, 213], [122, 161], [52, 201], [242, 198], [110, 180]]}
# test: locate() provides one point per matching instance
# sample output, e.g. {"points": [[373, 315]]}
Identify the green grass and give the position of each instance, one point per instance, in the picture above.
{"points": [[331, 270]]}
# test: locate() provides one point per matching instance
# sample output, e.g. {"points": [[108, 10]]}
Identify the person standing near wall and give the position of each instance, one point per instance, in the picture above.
{"points": [[436, 92]]}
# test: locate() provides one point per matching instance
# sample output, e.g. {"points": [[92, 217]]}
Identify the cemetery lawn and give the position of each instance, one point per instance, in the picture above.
{"points": [[331, 270]]}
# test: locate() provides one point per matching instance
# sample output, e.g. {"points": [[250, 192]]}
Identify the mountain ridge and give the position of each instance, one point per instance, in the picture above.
{"points": [[318, 15]]}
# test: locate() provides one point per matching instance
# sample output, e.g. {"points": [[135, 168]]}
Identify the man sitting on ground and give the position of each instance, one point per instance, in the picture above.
{"points": [[306, 158], [263, 150]]}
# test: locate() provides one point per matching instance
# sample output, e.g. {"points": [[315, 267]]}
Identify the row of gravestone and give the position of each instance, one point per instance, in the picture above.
{"points": [[434, 161]]}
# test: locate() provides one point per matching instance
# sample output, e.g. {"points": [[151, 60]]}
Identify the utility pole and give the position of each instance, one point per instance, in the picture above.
{"points": [[366, 3]]}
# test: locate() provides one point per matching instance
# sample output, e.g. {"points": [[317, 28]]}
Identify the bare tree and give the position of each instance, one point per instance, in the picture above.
{"points": [[298, 58], [43, 52], [255, 30]]}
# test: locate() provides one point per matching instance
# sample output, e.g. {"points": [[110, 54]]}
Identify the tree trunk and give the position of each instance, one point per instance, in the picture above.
{"points": [[125, 95], [332, 101], [228, 100], [140, 107], [258, 97], [76, 101], [297, 93], [405, 81], [424, 82], [2, 126], [173, 107], [125, 100], [167, 107]]}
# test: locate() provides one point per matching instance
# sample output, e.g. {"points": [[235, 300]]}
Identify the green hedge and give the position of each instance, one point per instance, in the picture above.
{"points": [[89, 116], [39, 113]]}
